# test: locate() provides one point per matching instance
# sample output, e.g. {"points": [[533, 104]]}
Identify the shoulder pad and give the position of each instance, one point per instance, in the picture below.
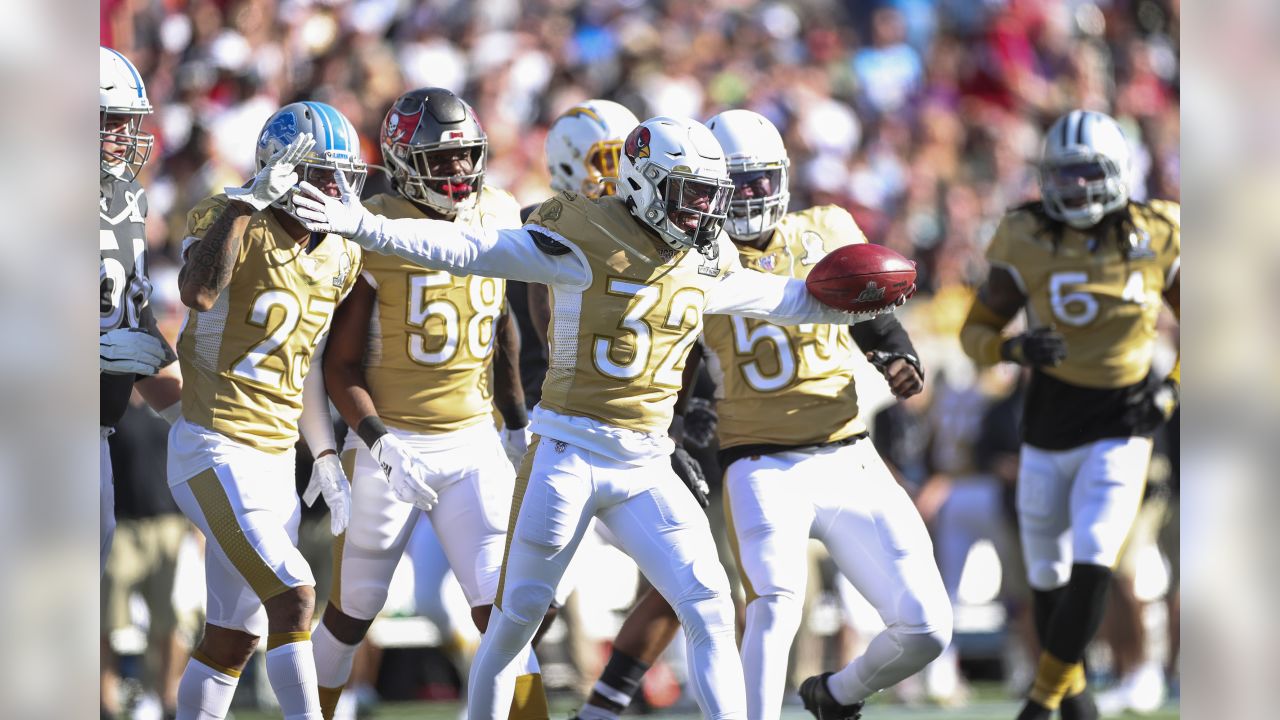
{"points": [[546, 244]]}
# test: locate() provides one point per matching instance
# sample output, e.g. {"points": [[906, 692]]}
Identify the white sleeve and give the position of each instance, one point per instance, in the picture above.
{"points": [[315, 422], [463, 250], [780, 300]]}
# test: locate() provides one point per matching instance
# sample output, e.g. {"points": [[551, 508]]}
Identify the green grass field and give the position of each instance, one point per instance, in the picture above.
{"points": [[979, 710]]}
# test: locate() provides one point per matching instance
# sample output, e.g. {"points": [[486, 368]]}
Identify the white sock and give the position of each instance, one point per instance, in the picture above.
{"points": [[292, 672], [333, 658], [205, 693], [891, 657]]}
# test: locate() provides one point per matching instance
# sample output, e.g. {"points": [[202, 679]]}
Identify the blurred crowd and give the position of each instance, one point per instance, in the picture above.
{"points": [[924, 118]]}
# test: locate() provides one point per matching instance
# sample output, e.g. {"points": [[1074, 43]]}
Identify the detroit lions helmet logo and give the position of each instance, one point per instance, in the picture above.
{"points": [[283, 128]]}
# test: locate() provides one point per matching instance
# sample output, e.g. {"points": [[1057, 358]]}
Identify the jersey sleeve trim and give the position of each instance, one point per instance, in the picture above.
{"points": [[541, 234]]}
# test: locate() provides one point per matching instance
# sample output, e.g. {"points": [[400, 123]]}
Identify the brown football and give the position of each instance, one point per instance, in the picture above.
{"points": [[862, 278]]}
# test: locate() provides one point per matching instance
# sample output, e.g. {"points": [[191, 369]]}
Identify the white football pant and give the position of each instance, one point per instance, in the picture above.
{"points": [[845, 497], [655, 520], [246, 504], [1078, 505]]}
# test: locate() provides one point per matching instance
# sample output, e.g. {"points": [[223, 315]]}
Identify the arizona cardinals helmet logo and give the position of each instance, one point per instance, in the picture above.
{"points": [[637, 145]]}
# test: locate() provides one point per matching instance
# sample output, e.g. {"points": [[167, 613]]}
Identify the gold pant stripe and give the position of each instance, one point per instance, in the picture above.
{"points": [[530, 699], [275, 640], [517, 497], [733, 545], [225, 527], [340, 540], [199, 656]]}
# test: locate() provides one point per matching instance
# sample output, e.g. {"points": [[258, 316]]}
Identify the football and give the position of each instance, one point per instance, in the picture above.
{"points": [[861, 278]]}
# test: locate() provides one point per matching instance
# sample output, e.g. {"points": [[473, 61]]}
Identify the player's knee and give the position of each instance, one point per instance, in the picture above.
{"points": [[527, 602], [227, 647], [1048, 574], [923, 647], [291, 610], [776, 611], [363, 600], [706, 617], [347, 629]]}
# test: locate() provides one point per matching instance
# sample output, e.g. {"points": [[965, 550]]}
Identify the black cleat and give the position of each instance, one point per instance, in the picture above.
{"points": [[817, 700], [1033, 710], [1078, 707]]}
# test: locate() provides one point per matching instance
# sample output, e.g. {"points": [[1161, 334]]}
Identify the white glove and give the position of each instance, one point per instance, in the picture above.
{"points": [[277, 177], [515, 441], [322, 213], [126, 351], [406, 472], [328, 479]]}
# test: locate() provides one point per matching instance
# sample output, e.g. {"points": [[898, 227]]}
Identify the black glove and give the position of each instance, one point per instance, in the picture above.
{"points": [[700, 423], [1151, 407], [1038, 348], [690, 474]]}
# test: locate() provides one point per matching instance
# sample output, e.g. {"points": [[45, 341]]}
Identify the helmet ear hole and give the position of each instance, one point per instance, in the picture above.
{"points": [[634, 185]]}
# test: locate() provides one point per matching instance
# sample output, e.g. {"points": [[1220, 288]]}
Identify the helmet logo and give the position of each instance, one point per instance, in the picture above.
{"points": [[400, 127], [637, 145], [283, 127]]}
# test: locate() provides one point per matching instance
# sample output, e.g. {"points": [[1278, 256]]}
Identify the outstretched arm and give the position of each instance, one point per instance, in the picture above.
{"points": [[782, 301], [439, 244]]}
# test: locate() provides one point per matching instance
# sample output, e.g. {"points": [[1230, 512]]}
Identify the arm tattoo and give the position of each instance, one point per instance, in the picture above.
{"points": [[209, 261]]}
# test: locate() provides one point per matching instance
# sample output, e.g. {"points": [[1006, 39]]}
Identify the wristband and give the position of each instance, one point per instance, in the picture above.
{"points": [[371, 430]]}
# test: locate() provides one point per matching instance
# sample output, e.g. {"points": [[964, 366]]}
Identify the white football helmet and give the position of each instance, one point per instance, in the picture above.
{"points": [[1084, 173], [122, 103], [758, 167], [673, 177], [584, 145]]}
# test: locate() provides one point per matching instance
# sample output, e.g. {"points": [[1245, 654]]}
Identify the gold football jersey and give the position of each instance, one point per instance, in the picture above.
{"points": [[430, 352], [619, 345], [243, 361], [786, 385], [1105, 304]]}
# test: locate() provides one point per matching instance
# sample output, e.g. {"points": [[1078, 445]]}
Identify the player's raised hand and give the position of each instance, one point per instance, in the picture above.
{"points": [[277, 177], [129, 351], [328, 479], [406, 472], [323, 213]]}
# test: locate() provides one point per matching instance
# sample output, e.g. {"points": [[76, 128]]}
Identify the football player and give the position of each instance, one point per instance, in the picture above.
{"points": [[631, 276], [262, 291], [130, 346], [1090, 266], [410, 364], [583, 150], [816, 473]]}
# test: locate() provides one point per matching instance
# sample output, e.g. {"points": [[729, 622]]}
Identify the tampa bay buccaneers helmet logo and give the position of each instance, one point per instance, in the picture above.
{"points": [[637, 145], [399, 127]]}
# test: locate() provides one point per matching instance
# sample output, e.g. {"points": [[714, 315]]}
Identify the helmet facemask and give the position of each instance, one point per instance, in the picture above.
{"points": [[760, 199], [690, 210], [601, 164], [322, 173], [124, 148], [424, 174], [1082, 188]]}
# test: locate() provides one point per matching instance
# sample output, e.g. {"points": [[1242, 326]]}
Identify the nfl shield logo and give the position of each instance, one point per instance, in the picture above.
{"points": [[768, 263]]}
